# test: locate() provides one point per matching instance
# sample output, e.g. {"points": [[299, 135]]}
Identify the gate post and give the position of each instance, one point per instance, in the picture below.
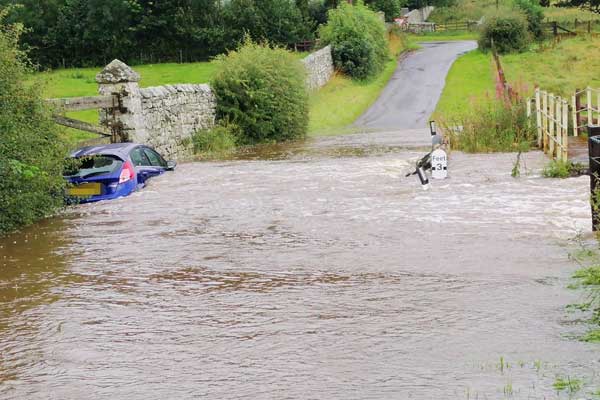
{"points": [[125, 117], [594, 154]]}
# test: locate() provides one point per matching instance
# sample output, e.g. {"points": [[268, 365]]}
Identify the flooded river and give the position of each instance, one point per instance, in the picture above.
{"points": [[316, 273]]}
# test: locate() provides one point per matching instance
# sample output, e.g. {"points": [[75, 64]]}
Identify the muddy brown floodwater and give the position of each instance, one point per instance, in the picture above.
{"points": [[316, 272]]}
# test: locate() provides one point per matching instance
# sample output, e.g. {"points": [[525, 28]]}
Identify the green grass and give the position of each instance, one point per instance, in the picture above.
{"points": [[589, 276], [572, 385], [443, 36], [471, 77], [81, 81], [564, 14], [77, 82], [569, 65], [339, 103], [560, 69], [592, 336]]}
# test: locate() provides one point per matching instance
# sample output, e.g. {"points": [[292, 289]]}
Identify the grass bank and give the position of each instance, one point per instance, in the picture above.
{"points": [[475, 9], [339, 103], [559, 68]]}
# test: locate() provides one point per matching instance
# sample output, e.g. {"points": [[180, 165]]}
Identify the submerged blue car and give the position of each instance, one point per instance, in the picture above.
{"points": [[110, 171]]}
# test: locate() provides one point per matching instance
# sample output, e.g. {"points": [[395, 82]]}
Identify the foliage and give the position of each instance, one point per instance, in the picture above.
{"points": [[262, 90], [492, 125], [31, 154], [506, 33], [358, 40], [592, 5], [589, 276], [572, 385], [62, 32], [534, 14], [562, 169], [217, 141], [391, 8]]}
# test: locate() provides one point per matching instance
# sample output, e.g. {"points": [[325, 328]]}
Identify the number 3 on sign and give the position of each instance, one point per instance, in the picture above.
{"points": [[439, 164]]}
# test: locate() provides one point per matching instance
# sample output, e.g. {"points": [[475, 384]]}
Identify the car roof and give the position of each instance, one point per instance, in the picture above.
{"points": [[120, 150]]}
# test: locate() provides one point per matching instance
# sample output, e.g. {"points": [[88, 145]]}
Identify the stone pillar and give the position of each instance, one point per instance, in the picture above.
{"points": [[117, 78]]}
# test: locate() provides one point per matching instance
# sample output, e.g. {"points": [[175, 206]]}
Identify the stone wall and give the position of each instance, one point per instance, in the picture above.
{"points": [[163, 117], [319, 68], [419, 15], [172, 114], [166, 117]]}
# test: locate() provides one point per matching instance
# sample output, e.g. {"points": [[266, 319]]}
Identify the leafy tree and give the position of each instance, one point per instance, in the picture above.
{"points": [[592, 5], [391, 8], [31, 153], [262, 91], [358, 40], [535, 17]]}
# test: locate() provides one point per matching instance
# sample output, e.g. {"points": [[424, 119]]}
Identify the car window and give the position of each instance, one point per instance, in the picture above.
{"points": [[155, 158], [139, 158], [88, 166]]}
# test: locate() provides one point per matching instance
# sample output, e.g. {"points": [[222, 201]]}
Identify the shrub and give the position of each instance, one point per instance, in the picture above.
{"points": [[534, 14], [391, 8], [493, 125], [562, 169], [358, 40], [507, 33], [262, 90], [31, 154], [218, 141]]}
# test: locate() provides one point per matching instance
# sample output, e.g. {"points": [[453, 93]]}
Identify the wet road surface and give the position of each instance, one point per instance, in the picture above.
{"points": [[410, 97], [308, 272]]}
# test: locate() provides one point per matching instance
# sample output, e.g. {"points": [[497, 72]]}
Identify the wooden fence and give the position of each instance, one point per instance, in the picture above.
{"points": [[552, 122], [584, 111], [456, 26], [111, 103], [576, 25]]}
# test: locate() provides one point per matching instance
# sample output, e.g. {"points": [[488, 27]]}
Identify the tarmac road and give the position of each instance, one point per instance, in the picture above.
{"points": [[415, 88]]}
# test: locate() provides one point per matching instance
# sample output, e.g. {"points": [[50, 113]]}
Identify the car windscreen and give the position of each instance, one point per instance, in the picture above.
{"points": [[89, 166]]}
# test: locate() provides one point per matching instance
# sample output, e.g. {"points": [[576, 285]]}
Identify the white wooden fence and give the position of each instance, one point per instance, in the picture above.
{"points": [[584, 111], [552, 121]]}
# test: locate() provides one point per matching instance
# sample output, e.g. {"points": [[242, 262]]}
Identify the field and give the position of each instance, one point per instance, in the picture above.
{"points": [[475, 9], [559, 68], [81, 82]]}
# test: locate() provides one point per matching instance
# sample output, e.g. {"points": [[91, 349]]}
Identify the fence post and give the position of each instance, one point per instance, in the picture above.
{"points": [[594, 159], [598, 108], [576, 113], [558, 130], [590, 109], [545, 121], [538, 117], [551, 123], [125, 118], [565, 130], [555, 28]]}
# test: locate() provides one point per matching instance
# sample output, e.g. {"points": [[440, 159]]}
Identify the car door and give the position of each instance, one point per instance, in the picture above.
{"points": [[143, 166]]}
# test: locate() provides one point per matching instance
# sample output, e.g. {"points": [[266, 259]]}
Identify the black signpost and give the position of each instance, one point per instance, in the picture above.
{"points": [[594, 151]]}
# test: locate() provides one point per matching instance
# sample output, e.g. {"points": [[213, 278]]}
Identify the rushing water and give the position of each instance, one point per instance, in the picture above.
{"points": [[315, 274]]}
